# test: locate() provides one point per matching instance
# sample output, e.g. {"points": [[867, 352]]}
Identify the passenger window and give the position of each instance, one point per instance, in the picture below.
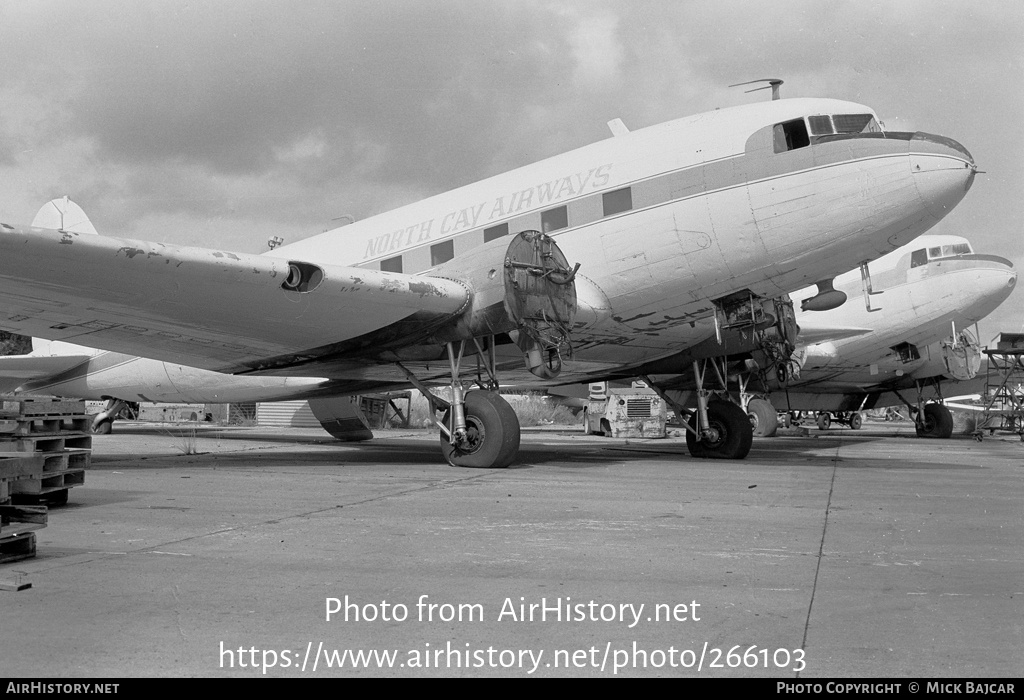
{"points": [[918, 258], [554, 219], [618, 201], [791, 135], [495, 232], [441, 252], [935, 252], [391, 264]]}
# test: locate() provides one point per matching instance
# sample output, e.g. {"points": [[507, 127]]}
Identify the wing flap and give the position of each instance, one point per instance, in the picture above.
{"points": [[201, 307]]}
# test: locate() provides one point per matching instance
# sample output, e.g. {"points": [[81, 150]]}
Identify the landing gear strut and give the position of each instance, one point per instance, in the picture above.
{"points": [[103, 423]]}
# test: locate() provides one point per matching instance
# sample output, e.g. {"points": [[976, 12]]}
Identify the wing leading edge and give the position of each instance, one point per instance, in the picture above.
{"points": [[218, 310]]}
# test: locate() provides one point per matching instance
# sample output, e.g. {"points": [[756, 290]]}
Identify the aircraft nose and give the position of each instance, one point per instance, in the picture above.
{"points": [[996, 279], [943, 171]]}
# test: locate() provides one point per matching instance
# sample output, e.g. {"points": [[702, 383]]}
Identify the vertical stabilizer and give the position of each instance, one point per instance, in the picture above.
{"points": [[63, 215]]}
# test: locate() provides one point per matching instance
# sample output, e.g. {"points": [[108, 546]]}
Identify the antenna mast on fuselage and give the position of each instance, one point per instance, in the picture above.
{"points": [[773, 83]]}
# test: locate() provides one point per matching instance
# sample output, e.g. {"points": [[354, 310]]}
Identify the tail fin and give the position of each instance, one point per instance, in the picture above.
{"points": [[63, 215]]}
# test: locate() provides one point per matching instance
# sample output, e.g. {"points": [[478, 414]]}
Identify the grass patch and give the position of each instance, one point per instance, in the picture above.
{"points": [[186, 441]]}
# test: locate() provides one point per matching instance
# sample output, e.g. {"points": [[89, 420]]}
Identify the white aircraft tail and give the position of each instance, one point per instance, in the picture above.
{"points": [[63, 215]]}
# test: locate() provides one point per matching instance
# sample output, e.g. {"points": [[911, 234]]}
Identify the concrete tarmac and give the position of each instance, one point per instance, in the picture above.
{"points": [[281, 552]]}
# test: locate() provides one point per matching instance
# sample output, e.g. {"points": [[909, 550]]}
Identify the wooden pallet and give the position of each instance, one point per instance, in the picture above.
{"points": [[16, 445], [49, 483], [44, 425], [17, 532], [17, 547], [40, 406]]}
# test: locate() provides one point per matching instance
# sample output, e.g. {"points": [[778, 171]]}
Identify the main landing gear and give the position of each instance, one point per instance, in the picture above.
{"points": [[934, 422], [479, 428], [718, 429], [103, 423], [764, 419], [491, 435], [931, 420]]}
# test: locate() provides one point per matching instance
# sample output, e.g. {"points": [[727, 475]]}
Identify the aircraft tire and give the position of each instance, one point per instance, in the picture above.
{"points": [[104, 427], [736, 435], [938, 422], [824, 420], [856, 421], [764, 419], [493, 433]]}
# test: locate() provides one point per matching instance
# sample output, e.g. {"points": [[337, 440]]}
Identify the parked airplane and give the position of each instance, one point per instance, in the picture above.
{"points": [[684, 236], [912, 334]]}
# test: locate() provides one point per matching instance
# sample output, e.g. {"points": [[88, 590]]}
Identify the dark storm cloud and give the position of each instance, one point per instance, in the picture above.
{"points": [[423, 87]]}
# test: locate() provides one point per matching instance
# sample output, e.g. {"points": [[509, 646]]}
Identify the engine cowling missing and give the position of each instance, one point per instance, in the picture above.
{"points": [[540, 297], [961, 353]]}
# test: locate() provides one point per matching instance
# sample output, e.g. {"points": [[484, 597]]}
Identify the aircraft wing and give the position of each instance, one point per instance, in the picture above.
{"points": [[212, 309], [15, 370], [812, 335]]}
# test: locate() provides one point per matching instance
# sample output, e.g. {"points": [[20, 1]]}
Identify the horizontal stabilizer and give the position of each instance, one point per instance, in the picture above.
{"points": [[15, 370], [218, 310]]}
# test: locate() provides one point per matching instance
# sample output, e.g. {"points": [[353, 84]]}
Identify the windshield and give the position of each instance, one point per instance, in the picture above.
{"points": [[856, 124], [948, 251], [824, 125]]}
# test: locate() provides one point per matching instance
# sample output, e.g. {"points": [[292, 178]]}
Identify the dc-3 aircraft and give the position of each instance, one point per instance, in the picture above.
{"points": [[647, 251], [911, 334]]}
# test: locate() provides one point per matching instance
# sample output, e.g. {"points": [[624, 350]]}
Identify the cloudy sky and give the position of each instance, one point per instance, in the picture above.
{"points": [[224, 123]]}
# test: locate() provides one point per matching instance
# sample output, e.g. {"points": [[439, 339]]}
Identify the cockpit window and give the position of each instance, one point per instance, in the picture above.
{"points": [[951, 250], [856, 124], [791, 135], [821, 125], [956, 249]]}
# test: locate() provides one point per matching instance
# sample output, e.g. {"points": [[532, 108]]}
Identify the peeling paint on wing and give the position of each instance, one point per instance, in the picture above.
{"points": [[131, 252], [632, 318], [389, 285], [425, 288], [66, 238]]}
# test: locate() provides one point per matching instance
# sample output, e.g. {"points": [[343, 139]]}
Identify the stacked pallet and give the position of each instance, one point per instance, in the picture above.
{"points": [[45, 447]]}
